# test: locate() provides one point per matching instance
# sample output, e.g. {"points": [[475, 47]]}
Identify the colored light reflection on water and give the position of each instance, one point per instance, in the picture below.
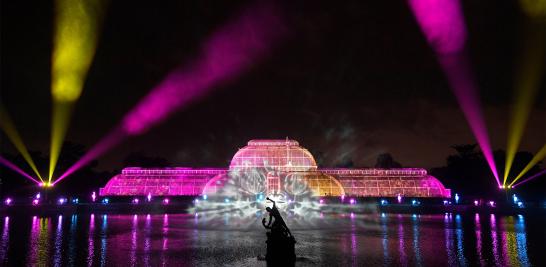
{"points": [[180, 239]]}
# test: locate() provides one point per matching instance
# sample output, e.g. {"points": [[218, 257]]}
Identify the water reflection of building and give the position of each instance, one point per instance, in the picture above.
{"points": [[275, 166]]}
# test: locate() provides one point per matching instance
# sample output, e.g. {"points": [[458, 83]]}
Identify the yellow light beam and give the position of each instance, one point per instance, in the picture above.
{"points": [[74, 45], [540, 155], [13, 135], [529, 72]]}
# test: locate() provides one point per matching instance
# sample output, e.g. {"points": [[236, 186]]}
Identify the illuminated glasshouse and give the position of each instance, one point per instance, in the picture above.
{"points": [[274, 167]]}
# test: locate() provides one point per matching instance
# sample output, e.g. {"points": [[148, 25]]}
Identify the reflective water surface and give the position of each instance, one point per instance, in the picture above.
{"points": [[341, 239]]}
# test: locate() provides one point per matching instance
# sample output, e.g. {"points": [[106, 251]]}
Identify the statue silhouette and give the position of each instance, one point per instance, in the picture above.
{"points": [[280, 241]]}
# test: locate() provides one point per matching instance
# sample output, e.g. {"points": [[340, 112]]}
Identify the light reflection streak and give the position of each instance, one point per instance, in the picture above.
{"points": [[401, 245], [33, 248], [479, 239], [147, 241], [448, 231], [4, 243], [416, 247], [43, 241], [509, 242], [103, 242], [354, 248], [521, 239], [72, 241], [496, 256], [165, 232], [91, 241], [385, 240], [134, 244], [57, 257], [460, 241]]}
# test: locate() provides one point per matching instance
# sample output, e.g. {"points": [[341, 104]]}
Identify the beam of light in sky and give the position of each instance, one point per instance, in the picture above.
{"points": [[443, 25], [74, 45], [535, 9], [540, 155], [543, 172], [230, 51], [16, 169], [527, 81], [13, 135]]}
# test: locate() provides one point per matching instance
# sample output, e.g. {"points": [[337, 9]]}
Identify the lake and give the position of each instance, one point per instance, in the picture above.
{"points": [[228, 240]]}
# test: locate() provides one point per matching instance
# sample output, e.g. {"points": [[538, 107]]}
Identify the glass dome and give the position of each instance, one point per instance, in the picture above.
{"points": [[273, 155]]}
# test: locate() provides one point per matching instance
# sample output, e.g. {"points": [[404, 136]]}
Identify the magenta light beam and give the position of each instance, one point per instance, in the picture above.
{"points": [[16, 169], [231, 51], [443, 25], [543, 172]]}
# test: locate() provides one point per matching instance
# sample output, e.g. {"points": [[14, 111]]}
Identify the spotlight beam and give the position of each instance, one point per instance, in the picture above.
{"points": [[74, 45], [540, 155], [16, 169], [226, 55], [8, 127], [543, 172], [443, 25], [529, 72]]}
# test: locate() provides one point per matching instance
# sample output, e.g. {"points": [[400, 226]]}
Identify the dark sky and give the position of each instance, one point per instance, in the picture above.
{"points": [[352, 79]]}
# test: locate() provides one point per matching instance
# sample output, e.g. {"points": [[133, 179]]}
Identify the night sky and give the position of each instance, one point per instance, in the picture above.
{"points": [[352, 79]]}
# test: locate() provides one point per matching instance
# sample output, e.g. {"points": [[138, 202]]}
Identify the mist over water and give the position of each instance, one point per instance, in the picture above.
{"points": [[347, 239]]}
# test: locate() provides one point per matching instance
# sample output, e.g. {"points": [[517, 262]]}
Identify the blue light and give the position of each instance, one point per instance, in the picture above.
{"points": [[105, 201], [515, 198], [226, 200], [457, 198], [520, 204], [75, 201], [384, 202], [204, 197], [415, 202]]}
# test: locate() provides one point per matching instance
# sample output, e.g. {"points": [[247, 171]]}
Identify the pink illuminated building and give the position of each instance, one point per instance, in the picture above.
{"points": [[271, 167]]}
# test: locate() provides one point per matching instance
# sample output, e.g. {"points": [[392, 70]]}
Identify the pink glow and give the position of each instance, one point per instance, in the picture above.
{"points": [[16, 169], [411, 182], [8, 201], [166, 201], [35, 202], [93, 196], [530, 178], [100, 148], [457, 71], [442, 23], [231, 51]]}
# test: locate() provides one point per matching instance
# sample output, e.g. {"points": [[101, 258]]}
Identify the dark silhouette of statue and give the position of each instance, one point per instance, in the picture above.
{"points": [[280, 241]]}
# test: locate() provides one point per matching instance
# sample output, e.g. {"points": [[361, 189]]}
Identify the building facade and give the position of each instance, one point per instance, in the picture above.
{"points": [[272, 167]]}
